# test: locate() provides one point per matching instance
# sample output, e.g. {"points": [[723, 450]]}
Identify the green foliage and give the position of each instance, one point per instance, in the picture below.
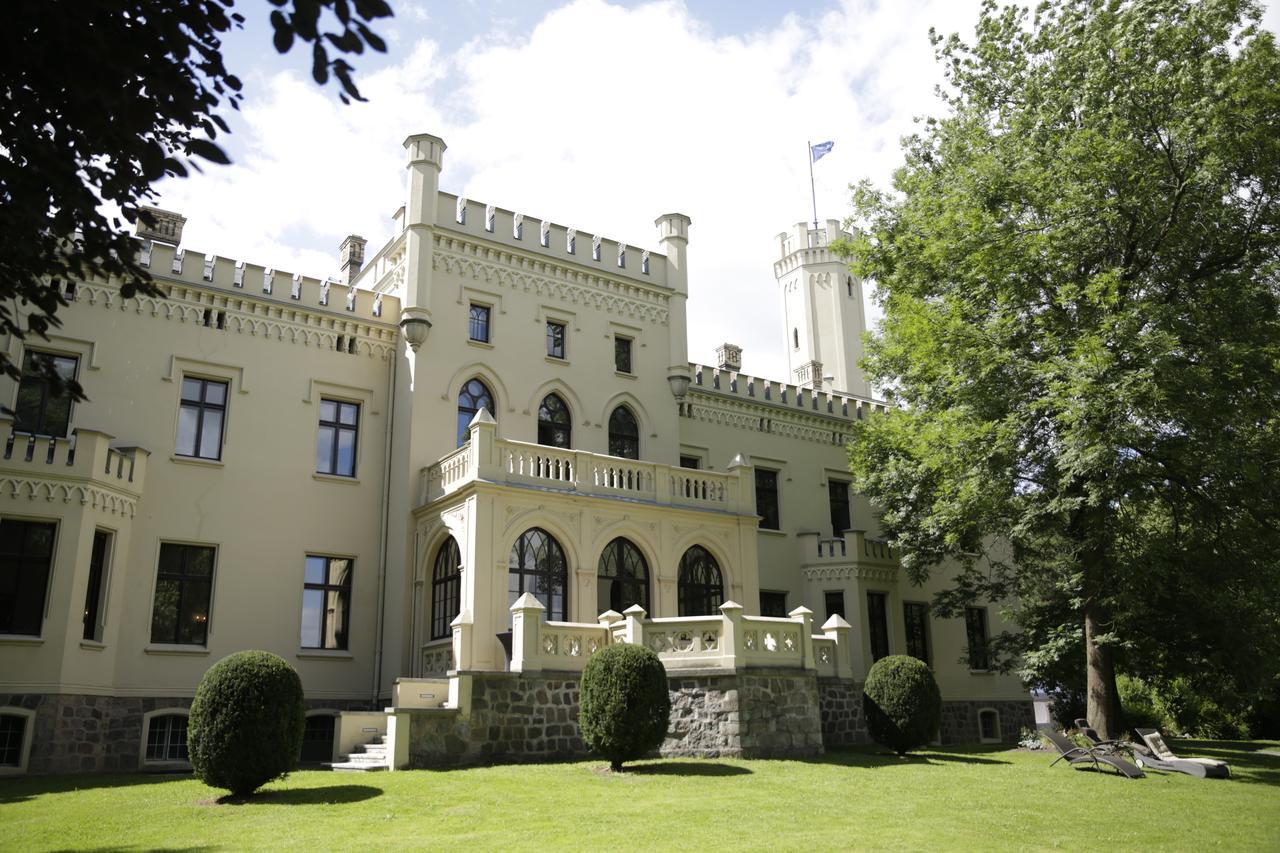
{"points": [[246, 722], [1079, 272], [1140, 711], [141, 93], [625, 706], [902, 703]]}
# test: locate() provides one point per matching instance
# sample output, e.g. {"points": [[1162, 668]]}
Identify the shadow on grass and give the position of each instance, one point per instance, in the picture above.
{"points": [[132, 849], [875, 757], [326, 795], [686, 768], [23, 788], [1248, 762]]}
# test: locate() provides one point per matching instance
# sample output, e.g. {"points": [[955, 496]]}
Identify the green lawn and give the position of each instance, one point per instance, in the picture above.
{"points": [[985, 799]]}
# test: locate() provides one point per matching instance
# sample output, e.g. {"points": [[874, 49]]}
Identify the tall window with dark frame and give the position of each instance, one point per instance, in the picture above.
{"points": [[975, 625], [538, 566], [200, 418], [700, 584], [446, 589], [624, 434], [833, 599], [184, 583], [555, 424], [915, 619], [838, 496], [878, 624], [767, 499], [326, 602], [555, 339], [691, 462], [96, 589], [478, 323], [167, 738], [473, 397], [622, 354], [38, 410], [26, 557], [336, 441], [622, 577], [12, 730]]}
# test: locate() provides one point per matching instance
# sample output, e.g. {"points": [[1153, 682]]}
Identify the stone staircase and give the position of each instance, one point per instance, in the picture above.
{"points": [[372, 756]]}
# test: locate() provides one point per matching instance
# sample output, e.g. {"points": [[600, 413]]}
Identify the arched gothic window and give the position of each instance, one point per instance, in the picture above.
{"points": [[624, 434], [555, 424], [446, 589], [473, 397], [700, 585], [623, 577], [538, 566]]}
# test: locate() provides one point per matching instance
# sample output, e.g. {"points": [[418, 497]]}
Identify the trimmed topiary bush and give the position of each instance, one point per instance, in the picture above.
{"points": [[902, 703], [625, 708], [246, 722]]}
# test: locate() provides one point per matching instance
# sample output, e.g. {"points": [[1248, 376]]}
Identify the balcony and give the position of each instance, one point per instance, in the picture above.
{"points": [[84, 468], [854, 552], [486, 458]]}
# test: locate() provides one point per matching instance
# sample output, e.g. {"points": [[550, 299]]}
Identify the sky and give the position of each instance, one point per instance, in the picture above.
{"points": [[596, 115]]}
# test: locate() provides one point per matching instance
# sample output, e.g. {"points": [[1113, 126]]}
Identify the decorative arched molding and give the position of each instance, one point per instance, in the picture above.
{"points": [[633, 532], [28, 736], [481, 371], [728, 567], [559, 387], [540, 517], [626, 398]]}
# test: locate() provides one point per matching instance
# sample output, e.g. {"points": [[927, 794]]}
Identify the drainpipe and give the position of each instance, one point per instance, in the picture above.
{"points": [[382, 543]]}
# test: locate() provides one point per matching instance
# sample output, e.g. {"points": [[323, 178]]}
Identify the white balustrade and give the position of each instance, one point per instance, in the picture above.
{"points": [[437, 657]]}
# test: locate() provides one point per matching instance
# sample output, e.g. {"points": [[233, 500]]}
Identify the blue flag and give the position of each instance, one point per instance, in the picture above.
{"points": [[821, 150]]}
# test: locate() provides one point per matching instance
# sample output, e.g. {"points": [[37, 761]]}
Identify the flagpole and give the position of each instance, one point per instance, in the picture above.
{"points": [[812, 192]]}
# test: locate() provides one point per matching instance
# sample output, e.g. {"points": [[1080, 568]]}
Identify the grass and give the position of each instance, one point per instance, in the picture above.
{"points": [[973, 798]]}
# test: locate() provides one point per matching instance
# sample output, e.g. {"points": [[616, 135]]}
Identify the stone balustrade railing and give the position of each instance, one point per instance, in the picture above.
{"points": [[487, 458], [87, 456], [728, 641], [855, 546], [437, 657]]}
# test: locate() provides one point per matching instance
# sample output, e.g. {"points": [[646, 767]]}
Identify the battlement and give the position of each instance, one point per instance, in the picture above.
{"points": [[542, 237], [803, 245], [174, 264], [783, 395]]}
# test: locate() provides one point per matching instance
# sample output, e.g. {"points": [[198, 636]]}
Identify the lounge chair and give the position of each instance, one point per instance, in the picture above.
{"points": [[1090, 756], [1091, 735], [1158, 756]]}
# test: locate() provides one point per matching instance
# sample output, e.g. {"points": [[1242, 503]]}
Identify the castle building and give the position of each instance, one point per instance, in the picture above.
{"points": [[436, 485]]}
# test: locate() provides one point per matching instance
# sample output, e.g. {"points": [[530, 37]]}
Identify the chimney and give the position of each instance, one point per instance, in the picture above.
{"points": [[729, 357], [163, 226], [351, 257]]}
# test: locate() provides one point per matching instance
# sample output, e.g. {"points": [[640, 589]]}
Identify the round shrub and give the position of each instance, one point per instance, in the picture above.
{"points": [[246, 722], [902, 703], [625, 707]]}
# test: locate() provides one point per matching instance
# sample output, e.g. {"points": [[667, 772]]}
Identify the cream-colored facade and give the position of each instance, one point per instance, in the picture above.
{"points": [[210, 481]]}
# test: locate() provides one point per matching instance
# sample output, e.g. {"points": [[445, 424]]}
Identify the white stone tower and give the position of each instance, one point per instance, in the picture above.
{"points": [[821, 310]]}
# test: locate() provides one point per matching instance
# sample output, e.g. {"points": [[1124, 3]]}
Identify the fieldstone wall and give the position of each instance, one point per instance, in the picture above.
{"points": [[960, 719], [534, 717], [749, 714], [843, 722], [99, 734], [514, 717]]}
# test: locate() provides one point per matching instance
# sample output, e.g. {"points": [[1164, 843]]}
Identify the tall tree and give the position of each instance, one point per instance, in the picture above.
{"points": [[1080, 273], [104, 98]]}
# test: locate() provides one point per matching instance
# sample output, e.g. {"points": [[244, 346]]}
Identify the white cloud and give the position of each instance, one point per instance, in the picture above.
{"points": [[602, 118]]}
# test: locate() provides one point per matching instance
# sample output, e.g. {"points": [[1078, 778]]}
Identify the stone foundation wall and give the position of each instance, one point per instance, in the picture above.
{"points": [[534, 717], [74, 733], [843, 723], [960, 719]]}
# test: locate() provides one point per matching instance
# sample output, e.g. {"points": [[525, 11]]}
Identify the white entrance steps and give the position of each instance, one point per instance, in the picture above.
{"points": [[371, 756]]}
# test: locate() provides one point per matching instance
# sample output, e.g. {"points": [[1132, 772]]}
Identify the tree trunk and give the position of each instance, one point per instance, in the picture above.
{"points": [[1104, 697]]}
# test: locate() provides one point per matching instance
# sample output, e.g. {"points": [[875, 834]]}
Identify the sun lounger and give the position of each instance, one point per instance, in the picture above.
{"points": [[1091, 735], [1088, 757], [1158, 756]]}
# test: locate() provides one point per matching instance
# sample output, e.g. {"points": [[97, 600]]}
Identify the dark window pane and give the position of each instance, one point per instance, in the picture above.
{"points": [[12, 728], [624, 434], [878, 623], [473, 397], [537, 565], [317, 739], [180, 612], [555, 424], [94, 589], [690, 462], [326, 602], [446, 589], [916, 622], [767, 498], [622, 354], [26, 558], [975, 619], [555, 340], [700, 586], [479, 323], [622, 577], [200, 418], [37, 409], [834, 601], [838, 494], [773, 603]]}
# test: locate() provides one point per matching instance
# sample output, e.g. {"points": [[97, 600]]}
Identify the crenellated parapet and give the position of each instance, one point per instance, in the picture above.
{"points": [[783, 397]]}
